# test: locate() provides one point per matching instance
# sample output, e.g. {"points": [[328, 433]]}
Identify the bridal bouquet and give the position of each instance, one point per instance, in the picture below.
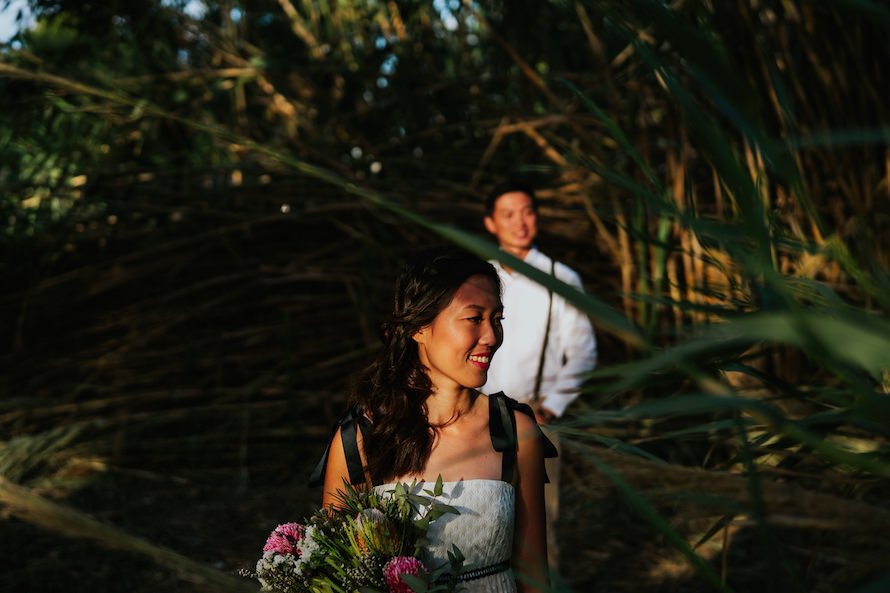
{"points": [[370, 544]]}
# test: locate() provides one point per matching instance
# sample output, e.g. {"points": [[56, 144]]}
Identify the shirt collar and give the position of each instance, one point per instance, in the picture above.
{"points": [[534, 257]]}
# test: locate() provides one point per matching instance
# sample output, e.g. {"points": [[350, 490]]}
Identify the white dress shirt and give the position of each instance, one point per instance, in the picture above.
{"points": [[571, 346]]}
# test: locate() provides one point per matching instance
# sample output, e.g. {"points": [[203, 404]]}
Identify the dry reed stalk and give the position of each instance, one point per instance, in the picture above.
{"points": [[697, 277], [626, 261], [504, 128], [290, 112], [676, 173], [596, 46], [675, 294], [523, 66], [300, 28], [395, 18], [612, 245], [28, 505], [492, 147]]}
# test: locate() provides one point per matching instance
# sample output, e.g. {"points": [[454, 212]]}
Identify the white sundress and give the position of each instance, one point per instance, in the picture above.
{"points": [[482, 531]]}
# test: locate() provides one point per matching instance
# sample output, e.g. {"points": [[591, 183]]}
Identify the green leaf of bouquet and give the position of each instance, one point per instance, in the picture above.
{"points": [[433, 515], [417, 584], [443, 508], [438, 572], [455, 555], [419, 500], [437, 490]]}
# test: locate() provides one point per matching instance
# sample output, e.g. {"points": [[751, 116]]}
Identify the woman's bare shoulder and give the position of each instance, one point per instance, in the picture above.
{"points": [[526, 427]]}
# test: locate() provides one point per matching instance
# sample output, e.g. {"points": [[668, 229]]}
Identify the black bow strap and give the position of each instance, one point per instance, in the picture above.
{"points": [[502, 425], [347, 426]]}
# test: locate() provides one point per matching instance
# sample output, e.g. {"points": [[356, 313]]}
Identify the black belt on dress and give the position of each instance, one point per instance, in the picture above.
{"points": [[477, 573]]}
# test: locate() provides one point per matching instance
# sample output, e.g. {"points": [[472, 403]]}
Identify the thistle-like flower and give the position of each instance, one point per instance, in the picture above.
{"points": [[398, 566], [375, 533], [284, 539]]}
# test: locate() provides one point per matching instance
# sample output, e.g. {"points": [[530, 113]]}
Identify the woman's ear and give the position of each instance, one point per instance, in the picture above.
{"points": [[420, 336]]}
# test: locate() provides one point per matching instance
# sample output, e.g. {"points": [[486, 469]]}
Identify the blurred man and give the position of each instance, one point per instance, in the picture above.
{"points": [[548, 343]]}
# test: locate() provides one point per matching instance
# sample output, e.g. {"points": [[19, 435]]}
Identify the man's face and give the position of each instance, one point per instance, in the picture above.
{"points": [[514, 222]]}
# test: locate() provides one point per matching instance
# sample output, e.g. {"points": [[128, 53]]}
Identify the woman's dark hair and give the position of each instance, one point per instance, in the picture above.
{"points": [[393, 390]]}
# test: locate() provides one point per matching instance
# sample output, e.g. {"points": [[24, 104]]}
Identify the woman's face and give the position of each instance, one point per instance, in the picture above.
{"points": [[456, 348]]}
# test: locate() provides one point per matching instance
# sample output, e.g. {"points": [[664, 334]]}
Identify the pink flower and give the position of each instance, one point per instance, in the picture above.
{"points": [[398, 566], [284, 539]]}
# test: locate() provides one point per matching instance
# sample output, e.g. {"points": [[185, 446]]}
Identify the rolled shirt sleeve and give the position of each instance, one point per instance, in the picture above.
{"points": [[575, 353]]}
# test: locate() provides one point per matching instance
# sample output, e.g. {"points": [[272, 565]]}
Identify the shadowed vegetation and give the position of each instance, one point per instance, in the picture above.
{"points": [[202, 214]]}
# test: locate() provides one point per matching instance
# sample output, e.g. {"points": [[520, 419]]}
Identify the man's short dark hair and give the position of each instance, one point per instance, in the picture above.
{"points": [[506, 187]]}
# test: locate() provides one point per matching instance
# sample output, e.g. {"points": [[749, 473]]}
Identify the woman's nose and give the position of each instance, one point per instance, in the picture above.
{"points": [[491, 334]]}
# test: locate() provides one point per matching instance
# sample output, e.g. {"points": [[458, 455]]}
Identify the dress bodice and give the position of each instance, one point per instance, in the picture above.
{"points": [[482, 531]]}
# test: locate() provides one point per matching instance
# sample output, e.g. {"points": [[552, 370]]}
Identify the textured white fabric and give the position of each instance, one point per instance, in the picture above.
{"points": [[483, 531], [571, 347]]}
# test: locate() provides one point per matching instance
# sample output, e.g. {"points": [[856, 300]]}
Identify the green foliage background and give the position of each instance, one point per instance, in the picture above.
{"points": [[202, 214]]}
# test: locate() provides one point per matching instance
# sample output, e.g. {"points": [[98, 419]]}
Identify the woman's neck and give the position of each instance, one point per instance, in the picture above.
{"points": [[446, 407]]}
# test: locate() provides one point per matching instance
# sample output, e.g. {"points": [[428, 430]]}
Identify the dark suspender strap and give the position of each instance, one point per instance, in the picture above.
{"points": [[348, 435], [537, 392]]}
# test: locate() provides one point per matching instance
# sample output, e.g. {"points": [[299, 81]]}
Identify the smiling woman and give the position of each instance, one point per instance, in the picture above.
{"points": [[456, 348], [418, 417], [446, 308]]}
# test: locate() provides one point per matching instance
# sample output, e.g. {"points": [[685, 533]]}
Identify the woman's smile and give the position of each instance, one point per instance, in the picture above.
{"points": [[482, 360], [457, 347]]}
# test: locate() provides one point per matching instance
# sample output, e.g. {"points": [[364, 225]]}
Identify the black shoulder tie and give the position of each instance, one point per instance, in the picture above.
{"points": [[347, 425], [502, 425]]}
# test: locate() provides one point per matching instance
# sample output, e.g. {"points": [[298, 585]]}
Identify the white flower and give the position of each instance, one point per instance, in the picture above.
{"points": [[270, 566], [307, 547]]}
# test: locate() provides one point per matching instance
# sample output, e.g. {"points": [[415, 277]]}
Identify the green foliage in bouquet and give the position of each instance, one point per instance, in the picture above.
{"points": [[367, 542]]}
